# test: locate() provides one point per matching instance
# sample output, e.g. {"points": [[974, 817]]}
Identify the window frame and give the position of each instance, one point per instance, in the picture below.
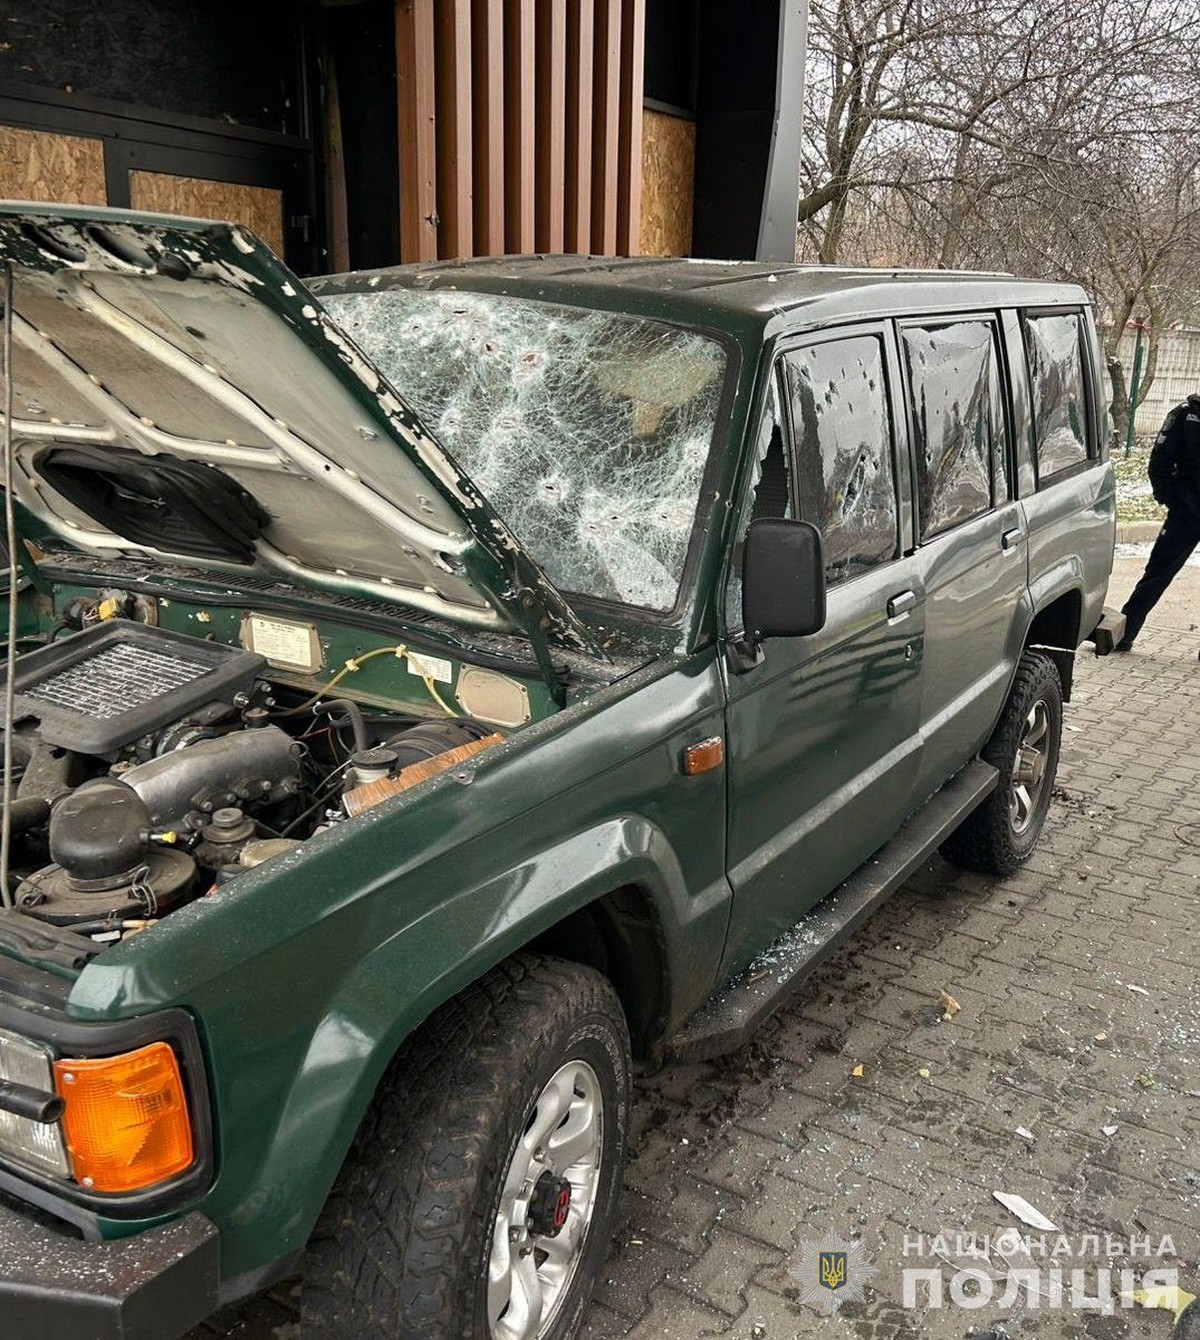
{"points": [[1092, 453], [772, 388], [883, 332], [942, 320]]}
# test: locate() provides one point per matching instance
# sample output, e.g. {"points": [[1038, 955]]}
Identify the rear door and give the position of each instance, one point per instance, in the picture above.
{"points": [[971, 543], [1067, 489], [823, 735]]}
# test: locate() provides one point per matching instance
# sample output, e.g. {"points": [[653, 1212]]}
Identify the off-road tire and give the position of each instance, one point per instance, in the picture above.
{"points": [[402, 1247], [987, 839]]}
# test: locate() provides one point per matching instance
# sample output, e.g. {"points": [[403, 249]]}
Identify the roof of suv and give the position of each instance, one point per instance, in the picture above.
{"points": [[746, 293]]}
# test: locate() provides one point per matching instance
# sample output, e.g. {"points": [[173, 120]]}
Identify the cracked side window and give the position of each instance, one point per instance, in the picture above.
{"points": [[954, 377], [772, 496], [843, 435], [1052, 344], [588, 431]]}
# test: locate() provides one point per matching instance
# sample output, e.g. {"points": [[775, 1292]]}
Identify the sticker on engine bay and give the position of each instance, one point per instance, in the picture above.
{"points": [[440, 671], [285, 643]]}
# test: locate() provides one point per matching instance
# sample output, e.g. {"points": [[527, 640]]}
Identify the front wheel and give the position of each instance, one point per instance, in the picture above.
{"points": [[998, 836], [479, 1197]]}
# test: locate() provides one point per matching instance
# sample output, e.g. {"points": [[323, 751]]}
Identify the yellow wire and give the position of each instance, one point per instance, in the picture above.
{"points": [[354, 663]]}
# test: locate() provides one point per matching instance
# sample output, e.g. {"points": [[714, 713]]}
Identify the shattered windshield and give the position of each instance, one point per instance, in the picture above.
{"points": [[587, 430]]}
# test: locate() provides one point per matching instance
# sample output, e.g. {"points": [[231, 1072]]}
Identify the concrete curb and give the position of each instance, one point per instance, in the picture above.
{"points": [[1137, 532]]}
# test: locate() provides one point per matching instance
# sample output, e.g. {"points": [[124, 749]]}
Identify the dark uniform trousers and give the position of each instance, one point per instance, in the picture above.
{"points": [[1179, 536], [1175, 480]]}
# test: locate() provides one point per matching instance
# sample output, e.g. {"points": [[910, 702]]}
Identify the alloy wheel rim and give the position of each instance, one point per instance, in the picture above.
{"points": [[532, 1265], [1029, 768]]}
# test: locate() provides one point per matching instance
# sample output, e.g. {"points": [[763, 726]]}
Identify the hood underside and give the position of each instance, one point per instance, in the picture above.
{"points": [[178, 393]]}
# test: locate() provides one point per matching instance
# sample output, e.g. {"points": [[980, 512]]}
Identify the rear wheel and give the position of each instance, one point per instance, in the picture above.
{"points": [[478, 1200], [999, 835]]}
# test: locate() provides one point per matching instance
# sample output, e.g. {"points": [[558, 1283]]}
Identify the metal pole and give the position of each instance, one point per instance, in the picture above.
{"points": [[1135, 377]]}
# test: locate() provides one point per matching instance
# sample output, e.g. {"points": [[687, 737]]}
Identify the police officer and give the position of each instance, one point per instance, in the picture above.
{"points": [[1175, 480]]}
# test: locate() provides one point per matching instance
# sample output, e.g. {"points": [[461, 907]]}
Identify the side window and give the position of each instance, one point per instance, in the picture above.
{"points": [[772, 495], [1055, 352], [773, 488], [958, 420], [843, 435]]}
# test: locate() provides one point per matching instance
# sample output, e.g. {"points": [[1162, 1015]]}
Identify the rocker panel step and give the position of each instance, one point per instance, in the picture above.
{"points": [[727, 1020]]}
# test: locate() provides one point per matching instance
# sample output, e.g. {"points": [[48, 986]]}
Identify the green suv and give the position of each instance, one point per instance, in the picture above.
{"points": [[435, 687]]}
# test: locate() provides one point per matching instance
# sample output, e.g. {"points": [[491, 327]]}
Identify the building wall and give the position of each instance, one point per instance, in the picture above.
{"points": [[359, 133], [196, 107]]}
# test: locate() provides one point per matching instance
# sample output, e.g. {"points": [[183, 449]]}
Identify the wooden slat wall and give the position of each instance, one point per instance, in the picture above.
{"points": [[519, 91], [605, 126], [418, 157], [520, 126], [487, 49], [581, 36], [453, 128], [633, 60], [551, 99]]}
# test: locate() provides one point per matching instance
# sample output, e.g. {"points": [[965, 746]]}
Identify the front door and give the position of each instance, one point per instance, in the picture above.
{"points": [[823, 737]]}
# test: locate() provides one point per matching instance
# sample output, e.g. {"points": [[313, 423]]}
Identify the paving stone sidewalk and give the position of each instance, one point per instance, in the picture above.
{"points": [[1077, 979], [739, 1163]]}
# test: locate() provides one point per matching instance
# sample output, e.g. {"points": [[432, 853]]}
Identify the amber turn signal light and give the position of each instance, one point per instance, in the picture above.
{"points": [[126, 1120], [704, 756]]}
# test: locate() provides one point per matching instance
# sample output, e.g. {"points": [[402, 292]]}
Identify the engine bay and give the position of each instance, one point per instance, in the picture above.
{"points": [[152, 765]]}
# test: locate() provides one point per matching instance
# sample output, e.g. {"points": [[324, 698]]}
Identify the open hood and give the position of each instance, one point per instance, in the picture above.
{"points": [[177, 392]]}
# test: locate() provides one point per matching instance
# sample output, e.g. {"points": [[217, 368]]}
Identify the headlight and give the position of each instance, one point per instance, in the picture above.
{"points": [[37, 1144]]}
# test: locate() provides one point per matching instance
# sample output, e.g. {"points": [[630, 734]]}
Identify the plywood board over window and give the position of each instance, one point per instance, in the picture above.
{"points": [[61, 169], [259, 208], [668, 178]]}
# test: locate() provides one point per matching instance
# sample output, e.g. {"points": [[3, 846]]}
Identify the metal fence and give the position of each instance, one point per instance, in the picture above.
{"points": [[1177, 375]]}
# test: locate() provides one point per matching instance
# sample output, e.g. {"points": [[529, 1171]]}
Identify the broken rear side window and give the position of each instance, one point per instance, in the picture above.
{"points": [[958, 422], [588, 431], [1059, 394]]}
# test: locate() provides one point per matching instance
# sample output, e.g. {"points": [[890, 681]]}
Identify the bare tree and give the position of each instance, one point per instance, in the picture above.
{"points": [[1046, 136]]}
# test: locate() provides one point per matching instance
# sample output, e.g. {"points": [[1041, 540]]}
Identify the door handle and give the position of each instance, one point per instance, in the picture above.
{"points": [[901, 604], [1010, 538]]}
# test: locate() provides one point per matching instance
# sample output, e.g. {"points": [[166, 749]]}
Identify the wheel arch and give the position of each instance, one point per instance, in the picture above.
{"points": [[1055, 631], [624, 912], [620, 934]]}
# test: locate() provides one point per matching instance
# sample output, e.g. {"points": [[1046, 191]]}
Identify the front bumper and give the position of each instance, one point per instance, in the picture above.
{"points": [[154, 1285]]}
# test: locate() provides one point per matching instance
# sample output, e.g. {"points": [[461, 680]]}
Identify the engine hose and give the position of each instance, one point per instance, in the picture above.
{"points": [[353, 714], [27, 813], [355, 663]]}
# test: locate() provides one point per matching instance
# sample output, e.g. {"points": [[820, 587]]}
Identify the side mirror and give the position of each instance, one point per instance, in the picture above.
{"points": [[783, 580]]}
